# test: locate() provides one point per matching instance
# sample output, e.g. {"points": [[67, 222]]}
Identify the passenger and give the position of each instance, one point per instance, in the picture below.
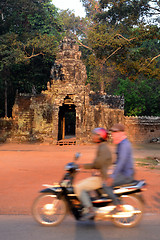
{"points": [[124, 171]]}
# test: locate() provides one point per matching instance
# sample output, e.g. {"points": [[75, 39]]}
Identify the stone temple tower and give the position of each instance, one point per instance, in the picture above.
{"points": [[68, 66], [67, 111], [68, 92]]}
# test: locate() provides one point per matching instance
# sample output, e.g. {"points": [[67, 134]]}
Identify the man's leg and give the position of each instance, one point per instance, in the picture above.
{"points": [[109, 191], [81, 190], [85, 186], [119, 180]]}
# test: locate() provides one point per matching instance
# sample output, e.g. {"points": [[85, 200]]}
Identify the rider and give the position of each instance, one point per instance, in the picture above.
{"points": [[124, 170], [101, 162]]}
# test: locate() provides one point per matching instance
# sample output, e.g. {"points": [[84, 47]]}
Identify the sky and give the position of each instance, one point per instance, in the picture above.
{"points": [[75, 5]]}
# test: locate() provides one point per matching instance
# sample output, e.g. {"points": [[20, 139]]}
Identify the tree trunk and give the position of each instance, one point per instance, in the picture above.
{"points": [[5, 79], [5, 98]]}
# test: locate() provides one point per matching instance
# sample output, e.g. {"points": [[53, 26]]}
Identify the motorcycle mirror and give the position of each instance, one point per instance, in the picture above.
{"points": [[77, 155]]}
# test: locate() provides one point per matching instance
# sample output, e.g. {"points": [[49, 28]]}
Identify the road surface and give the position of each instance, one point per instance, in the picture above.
{"points": [[22, 227]]}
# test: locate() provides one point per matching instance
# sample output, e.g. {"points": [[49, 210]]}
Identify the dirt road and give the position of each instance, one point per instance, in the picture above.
{"points": [[25, 167]]}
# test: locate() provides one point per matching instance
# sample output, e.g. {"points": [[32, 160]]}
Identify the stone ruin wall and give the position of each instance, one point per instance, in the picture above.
{"points": [[22, 128], [26, 109], [6, 126], [142, 129], [101, 116], [138, 129]]}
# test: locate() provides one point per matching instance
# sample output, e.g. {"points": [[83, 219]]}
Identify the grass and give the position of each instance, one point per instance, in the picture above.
{"points": [[150, 162]]}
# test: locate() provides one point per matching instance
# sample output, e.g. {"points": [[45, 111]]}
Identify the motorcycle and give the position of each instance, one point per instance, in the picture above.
{"points": [[55, 201]]}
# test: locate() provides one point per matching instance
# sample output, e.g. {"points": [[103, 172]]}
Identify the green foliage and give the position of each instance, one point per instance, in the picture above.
{"points": [[142, 97], [124, 50], [123, 13], [91, 7], [73, 26], [46, 20], [120, 38], [28, 16], [30, 31]]}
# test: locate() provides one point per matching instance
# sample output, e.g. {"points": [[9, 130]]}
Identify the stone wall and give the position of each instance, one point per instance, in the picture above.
{"points": [[111, 101], [6, 125], [142, 129], [32, 118], [21, 114], [138, 129], [100, 116]]}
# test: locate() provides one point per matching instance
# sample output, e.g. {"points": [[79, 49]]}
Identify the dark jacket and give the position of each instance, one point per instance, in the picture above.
{"points": [[102, 161]]}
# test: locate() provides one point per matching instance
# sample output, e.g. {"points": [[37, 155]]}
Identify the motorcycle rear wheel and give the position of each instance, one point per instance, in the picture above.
{"points": [[135, 201], [48, 210]]}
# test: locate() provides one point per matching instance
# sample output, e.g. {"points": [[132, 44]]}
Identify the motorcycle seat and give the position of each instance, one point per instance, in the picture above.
{"points": [[133, 183]]}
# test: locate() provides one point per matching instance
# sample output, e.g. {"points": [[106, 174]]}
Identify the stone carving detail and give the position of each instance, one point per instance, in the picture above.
{"points": [[56, 72], [68, 67]]}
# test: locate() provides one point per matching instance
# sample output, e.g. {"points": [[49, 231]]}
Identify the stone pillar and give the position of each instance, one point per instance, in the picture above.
{"points": [[78, 124], [55, 124]]}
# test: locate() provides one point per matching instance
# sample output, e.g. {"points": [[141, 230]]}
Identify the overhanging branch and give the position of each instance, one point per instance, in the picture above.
{"points": [[143, 66], [153, 59], [34, 55]]}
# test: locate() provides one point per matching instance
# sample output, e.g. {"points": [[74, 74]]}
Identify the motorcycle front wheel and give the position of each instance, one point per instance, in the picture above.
{"points": [[135, 205], [48, 210]]}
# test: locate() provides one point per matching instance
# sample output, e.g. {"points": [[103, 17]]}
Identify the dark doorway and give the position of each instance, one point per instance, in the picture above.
{"points": [[67, 121]]}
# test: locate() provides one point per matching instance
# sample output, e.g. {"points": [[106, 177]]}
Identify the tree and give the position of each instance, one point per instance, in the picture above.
{"points": [[123, 13], [142, 97], [118, 36], [26, 16], [29, 29]]}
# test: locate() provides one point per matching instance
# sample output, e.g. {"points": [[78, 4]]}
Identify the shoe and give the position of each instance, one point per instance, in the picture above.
{"points": [[89, 215]]}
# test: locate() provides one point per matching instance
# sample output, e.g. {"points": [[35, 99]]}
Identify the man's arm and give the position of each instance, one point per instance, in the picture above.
{"points": [[97, 162]]}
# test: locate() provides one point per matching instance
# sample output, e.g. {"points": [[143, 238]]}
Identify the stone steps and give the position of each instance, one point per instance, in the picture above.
{"points": [[66, 142]]}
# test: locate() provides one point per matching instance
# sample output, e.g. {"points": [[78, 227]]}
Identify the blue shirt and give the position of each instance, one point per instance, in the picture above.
{"points": [[124, 162]]}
